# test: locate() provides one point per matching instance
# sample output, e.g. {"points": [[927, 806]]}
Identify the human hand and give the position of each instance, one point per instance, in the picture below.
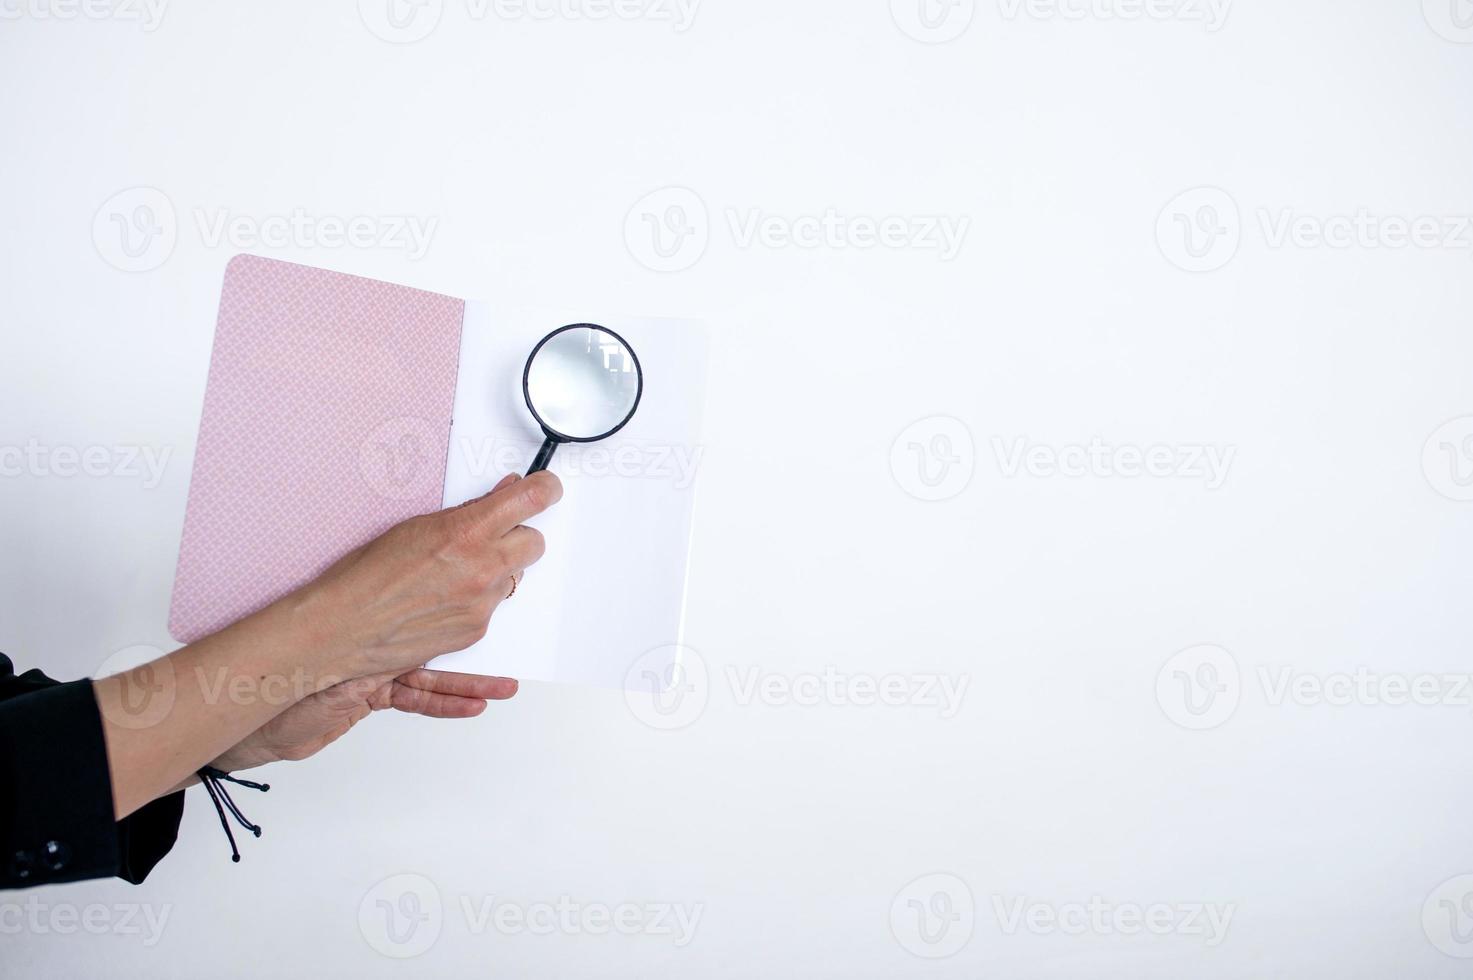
{"points": [[427, 586], [320, 719]]}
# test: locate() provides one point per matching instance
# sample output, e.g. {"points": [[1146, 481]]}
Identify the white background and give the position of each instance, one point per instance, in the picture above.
{"points": [[1065, 316]]}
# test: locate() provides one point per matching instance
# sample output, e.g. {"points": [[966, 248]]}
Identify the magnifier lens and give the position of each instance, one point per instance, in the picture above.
{"points": [[582, 384]]}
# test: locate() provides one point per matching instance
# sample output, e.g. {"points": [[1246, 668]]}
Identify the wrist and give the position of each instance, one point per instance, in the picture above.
{"points": [[304, 635], [244, 756]]}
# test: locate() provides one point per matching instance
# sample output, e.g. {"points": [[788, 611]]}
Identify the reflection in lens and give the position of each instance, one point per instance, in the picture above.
{"points": [[583, 382]]}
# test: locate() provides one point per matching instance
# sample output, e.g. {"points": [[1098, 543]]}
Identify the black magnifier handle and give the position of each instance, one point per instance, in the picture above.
{"points": [[544, 455]]}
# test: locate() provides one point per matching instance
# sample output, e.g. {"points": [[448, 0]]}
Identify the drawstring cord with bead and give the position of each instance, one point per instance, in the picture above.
{"points": [[211, 777]]}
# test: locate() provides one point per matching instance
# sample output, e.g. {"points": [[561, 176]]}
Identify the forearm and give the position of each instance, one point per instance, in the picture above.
{"points": [[427, 586], [163, 721]]}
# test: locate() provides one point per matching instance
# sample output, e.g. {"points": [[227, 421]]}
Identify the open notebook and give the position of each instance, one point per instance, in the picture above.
{"points": [[337, 406]]}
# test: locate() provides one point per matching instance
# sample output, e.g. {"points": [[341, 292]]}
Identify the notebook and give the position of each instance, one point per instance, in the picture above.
{"points": [[338, 406]]}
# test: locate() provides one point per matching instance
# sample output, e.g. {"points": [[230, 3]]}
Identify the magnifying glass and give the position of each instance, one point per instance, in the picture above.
{"points": [[582, 384]]}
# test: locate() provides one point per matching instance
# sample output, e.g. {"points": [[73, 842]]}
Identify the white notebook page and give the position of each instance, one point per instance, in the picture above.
{"points": [[611, 587]]}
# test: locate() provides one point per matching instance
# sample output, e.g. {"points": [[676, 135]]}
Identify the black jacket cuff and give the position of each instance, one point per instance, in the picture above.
{"points": [[56, 821], [147, 834]]}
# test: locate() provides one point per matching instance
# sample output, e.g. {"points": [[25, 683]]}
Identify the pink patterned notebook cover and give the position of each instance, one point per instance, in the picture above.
{"points": [[326, 421]]}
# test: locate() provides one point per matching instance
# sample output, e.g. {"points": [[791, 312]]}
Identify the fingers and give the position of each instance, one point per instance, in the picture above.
{"points": [[503, 509], [445, 694], [523, 546], [460, 685], [418, 702]]}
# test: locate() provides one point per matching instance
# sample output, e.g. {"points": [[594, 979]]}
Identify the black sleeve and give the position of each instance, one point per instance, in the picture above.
{"points": [[56, 806]]}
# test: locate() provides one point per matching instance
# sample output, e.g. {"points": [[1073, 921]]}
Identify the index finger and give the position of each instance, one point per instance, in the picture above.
{"points": [[498, 513]]}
